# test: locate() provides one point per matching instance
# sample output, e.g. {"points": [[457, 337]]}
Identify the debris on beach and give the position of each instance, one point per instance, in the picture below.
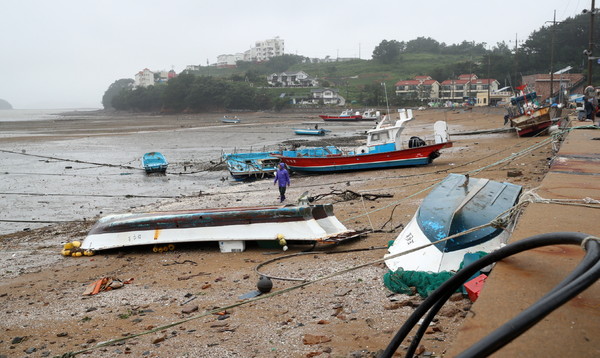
{"points": [[105, 284], [74, 249]]}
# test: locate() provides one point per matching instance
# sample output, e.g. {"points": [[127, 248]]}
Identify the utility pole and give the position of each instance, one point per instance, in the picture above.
{"points": [[516, 59], [552, 58], [591, 42], [488, 79]]}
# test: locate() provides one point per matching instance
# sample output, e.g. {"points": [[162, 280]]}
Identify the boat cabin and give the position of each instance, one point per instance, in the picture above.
{"points": [[385, 136]]}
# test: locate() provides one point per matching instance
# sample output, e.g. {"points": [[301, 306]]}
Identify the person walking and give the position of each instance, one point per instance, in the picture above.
{"points": [[283, 178]]}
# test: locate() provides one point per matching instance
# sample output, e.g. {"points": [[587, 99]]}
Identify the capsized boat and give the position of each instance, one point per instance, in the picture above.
{"points": [[346, 115], [316, 224], [385, 148], [231, 119], [527, 116], [251, 165], [154, 162], [456, 204]]}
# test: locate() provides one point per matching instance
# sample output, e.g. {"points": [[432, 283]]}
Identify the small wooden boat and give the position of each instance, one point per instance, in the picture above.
{"points": [[244, 166], [231, 119], [311, 129], [527, 116], [346, 115], [457, 204], [385, 148], [154, 162], [301, 224]]}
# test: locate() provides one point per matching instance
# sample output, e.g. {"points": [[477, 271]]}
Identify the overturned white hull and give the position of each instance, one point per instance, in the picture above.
{"points": [[295, 223]]}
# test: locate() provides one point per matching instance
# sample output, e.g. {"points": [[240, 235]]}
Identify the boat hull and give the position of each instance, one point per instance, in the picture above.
{"points": [[455, 205], [154, 162], [528, 125], [341, 118], [297, 223], [318, 132], [339, 163], [254, 165]]}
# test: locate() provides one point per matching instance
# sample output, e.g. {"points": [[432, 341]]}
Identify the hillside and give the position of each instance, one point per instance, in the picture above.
{"points": [[4, 104], [351, 77]]}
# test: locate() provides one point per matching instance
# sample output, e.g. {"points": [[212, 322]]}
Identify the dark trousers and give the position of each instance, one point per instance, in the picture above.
{"points": [[282, 192]]}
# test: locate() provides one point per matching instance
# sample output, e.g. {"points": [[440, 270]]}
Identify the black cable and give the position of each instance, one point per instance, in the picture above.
{"points": [[583, 276]]}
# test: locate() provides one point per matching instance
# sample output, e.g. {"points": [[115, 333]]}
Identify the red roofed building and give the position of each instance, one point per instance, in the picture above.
{"points": [[467, 86], [421, 87]]}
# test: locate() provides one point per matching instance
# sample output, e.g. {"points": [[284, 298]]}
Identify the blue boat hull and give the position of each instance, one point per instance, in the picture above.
{"points": [[154, 162], [454, 206]]}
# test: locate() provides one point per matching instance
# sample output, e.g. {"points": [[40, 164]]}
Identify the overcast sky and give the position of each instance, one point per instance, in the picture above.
{"points": [[65, 53]]}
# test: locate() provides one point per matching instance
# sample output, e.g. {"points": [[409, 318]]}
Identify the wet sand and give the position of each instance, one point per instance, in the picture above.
{"points": [[352, 313]]}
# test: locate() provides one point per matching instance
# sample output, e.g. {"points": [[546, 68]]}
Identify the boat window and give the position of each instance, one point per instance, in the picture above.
{"points": [[375, 136]]}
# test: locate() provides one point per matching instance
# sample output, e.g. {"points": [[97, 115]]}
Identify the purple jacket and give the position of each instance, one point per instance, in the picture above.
{"points": [[282, 176]]}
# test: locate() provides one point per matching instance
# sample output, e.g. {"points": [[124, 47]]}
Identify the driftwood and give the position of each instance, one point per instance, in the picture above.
{"points": [[347, 195]]}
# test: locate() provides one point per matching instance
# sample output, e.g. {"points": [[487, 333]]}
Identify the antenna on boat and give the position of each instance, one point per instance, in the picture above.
{"points": [[387, 104]]}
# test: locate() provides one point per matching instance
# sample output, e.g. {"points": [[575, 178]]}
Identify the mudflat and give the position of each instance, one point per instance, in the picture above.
{"points": [[90, 164]]}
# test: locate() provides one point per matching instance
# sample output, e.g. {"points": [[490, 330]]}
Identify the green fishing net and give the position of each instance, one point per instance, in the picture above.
{"points": [[424, 283]]}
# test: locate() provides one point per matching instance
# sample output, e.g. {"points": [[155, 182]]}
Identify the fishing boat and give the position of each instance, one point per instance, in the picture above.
{"points": [[371, 115], [455, 205], [527, 116], [252, 165], [346, 115], [154, 162], [386, 147], [231, 119], [310, 130], [231, 227]]}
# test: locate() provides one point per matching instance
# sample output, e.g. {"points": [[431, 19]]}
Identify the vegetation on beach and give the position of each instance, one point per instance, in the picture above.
{"points": [[359, 81]]}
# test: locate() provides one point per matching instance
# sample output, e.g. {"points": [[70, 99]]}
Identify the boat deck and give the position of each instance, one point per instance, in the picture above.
{"points": [[516, 283]]}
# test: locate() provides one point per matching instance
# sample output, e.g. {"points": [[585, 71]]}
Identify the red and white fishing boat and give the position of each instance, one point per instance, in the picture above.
{"points": [[346, 115], [386, 147]]}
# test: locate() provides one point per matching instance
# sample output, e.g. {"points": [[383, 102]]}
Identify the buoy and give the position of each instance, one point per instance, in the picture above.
{"points": [[264, 284], [76, 244]]}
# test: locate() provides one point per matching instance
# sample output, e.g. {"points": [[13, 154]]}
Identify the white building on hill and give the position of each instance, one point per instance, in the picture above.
{"points": [[144, 78], [262, 51]]}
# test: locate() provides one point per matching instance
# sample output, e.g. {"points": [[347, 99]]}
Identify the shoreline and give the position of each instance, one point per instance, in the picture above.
{"points": [[353, 313]]}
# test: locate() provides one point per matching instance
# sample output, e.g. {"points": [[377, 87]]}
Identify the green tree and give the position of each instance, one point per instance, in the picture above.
{"points": [[177, 91], [113, 90], [423, 44], [387, 51]]}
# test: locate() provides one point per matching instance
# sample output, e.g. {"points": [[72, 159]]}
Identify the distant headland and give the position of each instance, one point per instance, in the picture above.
{"points": [[5, 105]]}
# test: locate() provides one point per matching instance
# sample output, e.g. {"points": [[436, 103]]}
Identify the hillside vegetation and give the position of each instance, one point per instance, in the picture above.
{"points": [[359, 81]]}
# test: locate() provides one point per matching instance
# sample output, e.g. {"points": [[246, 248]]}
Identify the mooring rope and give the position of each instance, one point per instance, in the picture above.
{"points": [[496, 221]]}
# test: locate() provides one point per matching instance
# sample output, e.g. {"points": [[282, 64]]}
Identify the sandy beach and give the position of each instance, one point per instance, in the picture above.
{"points": [[89, 162]]}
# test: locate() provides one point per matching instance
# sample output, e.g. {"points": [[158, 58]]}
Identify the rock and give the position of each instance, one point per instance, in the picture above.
{"points": [[31, 350], [189, 309], [310, 339], [449, 311], [62, 334], [514, 173], [323, 321], [420, 350], [159, 339], [17, 340]]}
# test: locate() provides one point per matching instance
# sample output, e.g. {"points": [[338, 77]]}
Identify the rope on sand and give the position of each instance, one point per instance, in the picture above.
{"points": [[497, 222]]}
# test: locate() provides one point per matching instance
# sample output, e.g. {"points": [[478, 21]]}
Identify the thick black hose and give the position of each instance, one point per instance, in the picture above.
{"points": [[583, 276]]}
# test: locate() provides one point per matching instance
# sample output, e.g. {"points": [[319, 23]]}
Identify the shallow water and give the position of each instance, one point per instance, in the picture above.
{"points": [[40, 182]]}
